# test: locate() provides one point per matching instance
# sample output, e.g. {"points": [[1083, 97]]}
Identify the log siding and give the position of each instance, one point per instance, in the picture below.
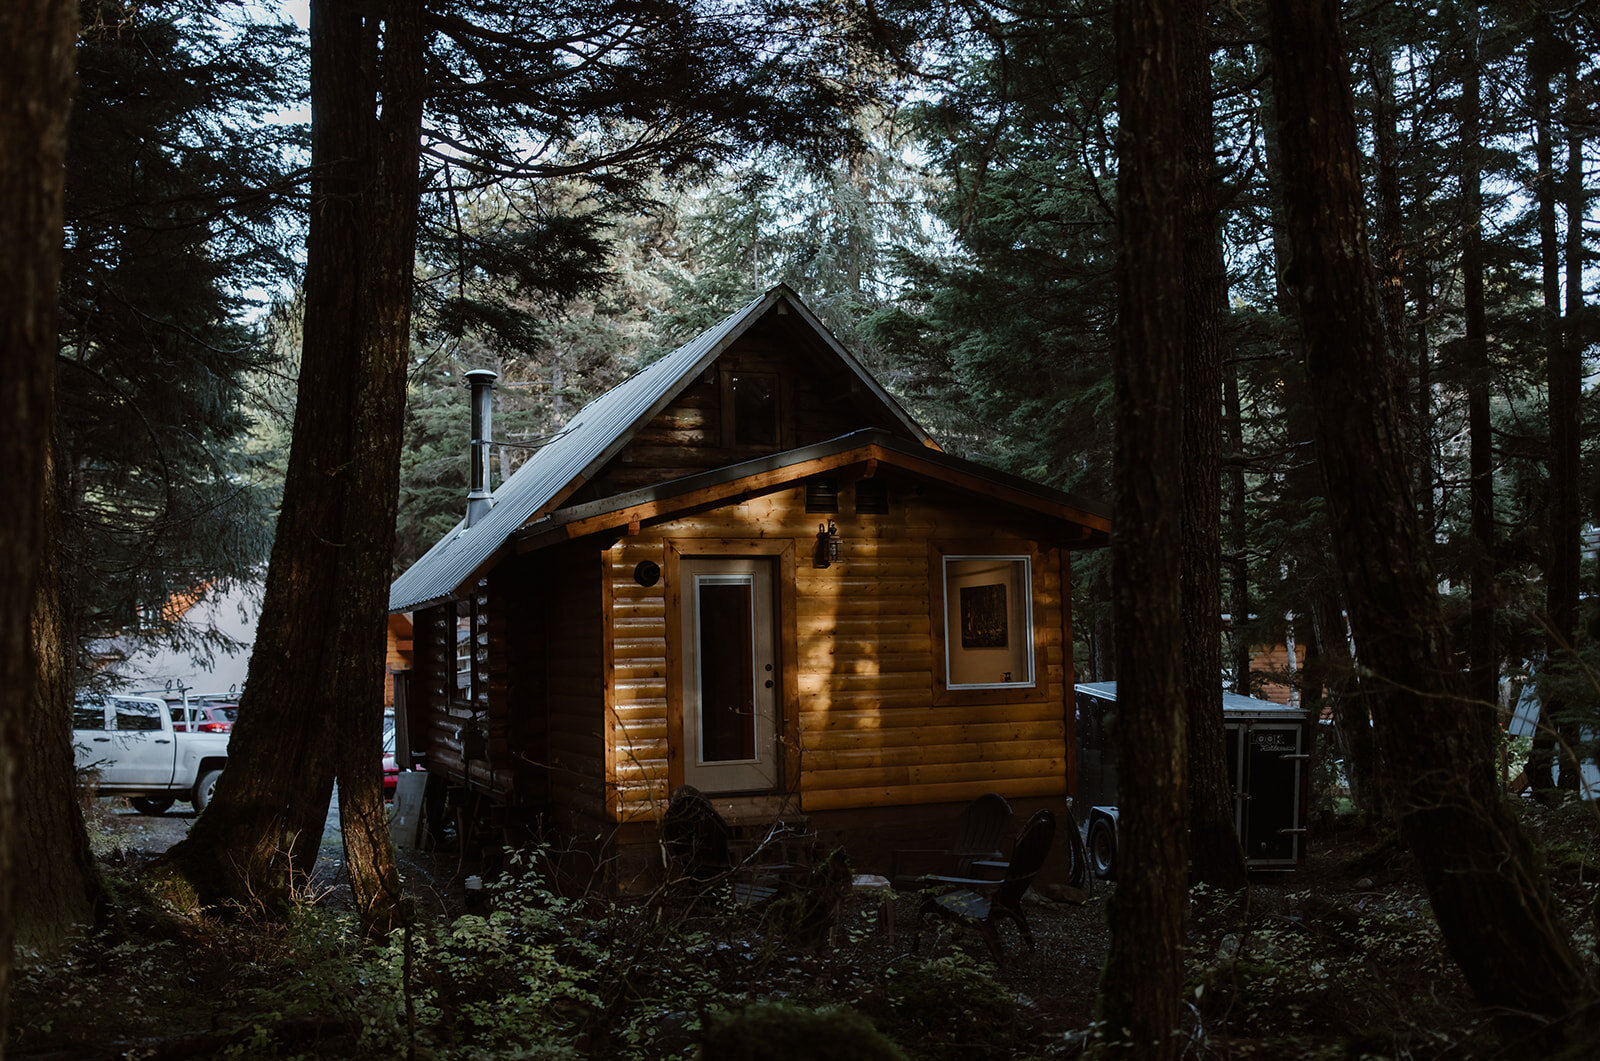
{"points": [[865, 718]]}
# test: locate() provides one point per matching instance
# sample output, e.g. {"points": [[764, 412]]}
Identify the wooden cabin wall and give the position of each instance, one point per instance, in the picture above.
{"points": [[687, 436], [636, 733], [576, 677], [1272, 672], [432, 730], [518, 686], [873, 729], [465, 732]]}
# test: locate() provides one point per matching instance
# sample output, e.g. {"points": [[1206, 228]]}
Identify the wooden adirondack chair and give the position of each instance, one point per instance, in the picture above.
{"points": [[699, 847], [977, 838], [975, 902]]}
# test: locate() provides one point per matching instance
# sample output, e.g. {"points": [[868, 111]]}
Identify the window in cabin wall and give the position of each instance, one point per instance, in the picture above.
{"points": [[464, 650], [988, 622]]}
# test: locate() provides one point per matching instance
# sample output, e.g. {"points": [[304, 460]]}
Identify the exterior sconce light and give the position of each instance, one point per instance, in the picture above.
{"points": [[827, 552]]}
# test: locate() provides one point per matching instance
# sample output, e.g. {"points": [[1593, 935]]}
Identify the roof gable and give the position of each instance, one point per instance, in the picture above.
{"points": [[598, 433]]}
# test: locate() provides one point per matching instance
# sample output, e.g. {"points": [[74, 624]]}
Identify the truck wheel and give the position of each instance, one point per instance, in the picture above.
{"points": [[151, 804], [203, 789], [1103, 848]]}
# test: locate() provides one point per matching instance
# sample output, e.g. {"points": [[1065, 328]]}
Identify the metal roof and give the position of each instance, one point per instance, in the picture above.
{"points": [[1232, 703], [590, 439]]}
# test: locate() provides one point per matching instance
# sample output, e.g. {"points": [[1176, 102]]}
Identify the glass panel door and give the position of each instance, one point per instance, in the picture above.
{"points": [[730, 675]]}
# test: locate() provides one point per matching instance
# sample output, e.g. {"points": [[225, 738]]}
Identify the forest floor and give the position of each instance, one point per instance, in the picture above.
{"points": [[1339, 959]]}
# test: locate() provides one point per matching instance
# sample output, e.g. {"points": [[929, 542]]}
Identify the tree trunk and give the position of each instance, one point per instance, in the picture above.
{"points": [[1390, 220], [1217, 858], [1566, 463], [1143, 974], [1238, 534], [1434, 744], [1425, 474], [36, 55], [58, 885], [1562, 523], [389, 231], [1483, 662], [313, 703], [1342, 688]]}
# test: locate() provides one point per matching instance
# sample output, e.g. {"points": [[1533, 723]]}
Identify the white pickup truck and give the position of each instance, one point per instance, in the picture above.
{"points": [[131, 744]]}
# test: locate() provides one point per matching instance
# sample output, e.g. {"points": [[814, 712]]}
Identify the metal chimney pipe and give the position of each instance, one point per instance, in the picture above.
{"points": [[479, 497]]}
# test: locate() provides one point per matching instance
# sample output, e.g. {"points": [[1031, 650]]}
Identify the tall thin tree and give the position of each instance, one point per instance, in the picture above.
{"points": [[1217, 857], [1140, 985], [1492, 906], [1483, 662], [36, 38], [1563, 377], [315, 691]]}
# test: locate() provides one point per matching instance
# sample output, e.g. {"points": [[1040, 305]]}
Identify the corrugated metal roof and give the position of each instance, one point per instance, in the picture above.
{"points": [[593, 437]]}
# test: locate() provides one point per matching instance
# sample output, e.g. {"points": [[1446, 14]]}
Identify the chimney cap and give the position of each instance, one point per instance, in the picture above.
{"points": [[482, 375]]}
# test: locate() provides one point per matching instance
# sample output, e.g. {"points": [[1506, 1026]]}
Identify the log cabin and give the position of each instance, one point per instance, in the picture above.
{"points": [[746, 568]]}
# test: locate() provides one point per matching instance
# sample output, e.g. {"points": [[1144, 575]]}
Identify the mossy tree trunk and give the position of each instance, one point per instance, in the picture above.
{"points": [[36, 40], [1434, 747], [312, 707], [1142, 977]]}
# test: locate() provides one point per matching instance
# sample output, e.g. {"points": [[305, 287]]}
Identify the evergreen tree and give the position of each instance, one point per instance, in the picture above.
{"points": [[1003, 340], [35, 96], [177, 205], [173, 202], [1435, 748]]}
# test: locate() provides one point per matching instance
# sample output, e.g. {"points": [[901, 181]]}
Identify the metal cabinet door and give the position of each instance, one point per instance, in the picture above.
{"points": [[1271, 816]]}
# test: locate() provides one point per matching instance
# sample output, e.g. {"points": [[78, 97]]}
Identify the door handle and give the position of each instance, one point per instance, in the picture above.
{"points": [[162, 740], [102, 740]]}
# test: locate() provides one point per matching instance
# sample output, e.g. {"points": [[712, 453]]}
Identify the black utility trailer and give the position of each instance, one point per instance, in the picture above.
{"points": [[1269, 747]]}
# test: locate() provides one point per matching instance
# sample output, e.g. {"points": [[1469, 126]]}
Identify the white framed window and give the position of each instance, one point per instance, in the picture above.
{"points": [[988, 622], [465, 655]]}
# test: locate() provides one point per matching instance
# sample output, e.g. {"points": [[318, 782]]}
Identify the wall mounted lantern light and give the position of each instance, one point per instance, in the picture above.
{"points": [[827, 551]]}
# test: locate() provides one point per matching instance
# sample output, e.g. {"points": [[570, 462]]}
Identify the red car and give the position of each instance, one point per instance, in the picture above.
{"points": [[209, 717], [391, 769]]}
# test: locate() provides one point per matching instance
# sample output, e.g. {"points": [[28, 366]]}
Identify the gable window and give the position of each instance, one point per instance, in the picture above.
{"points": [[988, 622], [754, 398]]}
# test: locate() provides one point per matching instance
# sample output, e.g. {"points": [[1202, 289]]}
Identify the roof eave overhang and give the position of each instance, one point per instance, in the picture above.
{"points": [[1086, 525]]}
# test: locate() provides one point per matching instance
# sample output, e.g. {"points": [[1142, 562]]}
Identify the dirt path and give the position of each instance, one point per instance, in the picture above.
{"points": [[114, 824]]}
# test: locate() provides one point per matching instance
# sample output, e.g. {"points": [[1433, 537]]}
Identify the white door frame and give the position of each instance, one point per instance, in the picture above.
{"points": [[754, 661]]}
